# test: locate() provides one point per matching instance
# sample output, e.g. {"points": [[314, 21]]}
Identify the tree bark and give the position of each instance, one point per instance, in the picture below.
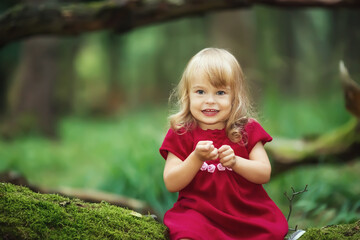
{"points": [[71, 19]]}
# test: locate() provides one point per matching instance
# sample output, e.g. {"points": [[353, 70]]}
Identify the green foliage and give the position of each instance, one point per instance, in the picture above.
{"points": [[29, 215], [301, 116], [92, 60], [119, 155], [332, 195]]}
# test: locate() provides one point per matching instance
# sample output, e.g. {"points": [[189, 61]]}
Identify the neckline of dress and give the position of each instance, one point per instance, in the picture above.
{"points": [[211, 130]]}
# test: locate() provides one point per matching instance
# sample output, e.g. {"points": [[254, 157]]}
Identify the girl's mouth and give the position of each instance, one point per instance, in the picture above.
{"points": [[209, 112]]}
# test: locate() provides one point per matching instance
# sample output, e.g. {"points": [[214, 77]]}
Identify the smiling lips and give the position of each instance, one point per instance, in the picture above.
{"points": [[210, 112]]}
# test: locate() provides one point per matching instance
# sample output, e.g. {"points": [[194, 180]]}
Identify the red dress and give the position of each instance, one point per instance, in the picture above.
{"points": [[218, 203]]}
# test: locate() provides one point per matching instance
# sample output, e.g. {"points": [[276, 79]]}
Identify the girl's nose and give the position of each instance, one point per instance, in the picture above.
{"points": [[210, 99]]}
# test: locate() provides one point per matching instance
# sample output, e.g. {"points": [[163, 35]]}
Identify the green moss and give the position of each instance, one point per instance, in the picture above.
{"points": [[335, 232], [28, 215]]}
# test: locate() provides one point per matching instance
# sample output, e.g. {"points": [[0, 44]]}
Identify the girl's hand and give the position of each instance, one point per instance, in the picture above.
{"points": [[205, 150], [227, 156]]}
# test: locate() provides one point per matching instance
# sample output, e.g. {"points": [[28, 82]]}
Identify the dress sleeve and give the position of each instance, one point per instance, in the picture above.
{"points": [[255, 133], [179, 144]]}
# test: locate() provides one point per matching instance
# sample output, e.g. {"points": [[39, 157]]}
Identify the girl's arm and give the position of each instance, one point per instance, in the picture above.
{"points": [[256, 169], [178, 174]]}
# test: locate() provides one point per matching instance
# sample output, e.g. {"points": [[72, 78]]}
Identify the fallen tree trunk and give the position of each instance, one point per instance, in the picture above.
{"points": [[96, 196], [341, 145], [29, 215], [93, 196], [341, 231], [71, 19]]}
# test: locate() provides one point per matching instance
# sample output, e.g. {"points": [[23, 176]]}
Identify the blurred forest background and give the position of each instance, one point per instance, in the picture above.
{"points": [[109, 94]]}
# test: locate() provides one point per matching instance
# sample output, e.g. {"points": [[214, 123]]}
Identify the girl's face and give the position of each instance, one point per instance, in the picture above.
{"points": [[209, 105]]}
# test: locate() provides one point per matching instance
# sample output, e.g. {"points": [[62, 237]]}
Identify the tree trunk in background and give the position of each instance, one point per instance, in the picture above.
{"points": [[241, 38], [115, 93], [351, 43], [8, 59], [33, 103], [184, 38], [65, 87], [286, 31], [3, 88], [34, 99], [240, 35]]}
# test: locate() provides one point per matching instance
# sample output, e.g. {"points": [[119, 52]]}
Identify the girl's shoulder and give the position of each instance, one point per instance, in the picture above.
{"points": [[255, 133], [178, 142], [252, 123], [252, 120]]}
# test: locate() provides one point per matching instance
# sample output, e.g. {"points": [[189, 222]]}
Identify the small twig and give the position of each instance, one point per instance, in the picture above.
{"points": [[291, 201]]}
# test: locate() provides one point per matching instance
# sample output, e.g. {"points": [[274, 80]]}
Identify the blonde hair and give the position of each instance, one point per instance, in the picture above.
{"points": [[221, 69]]}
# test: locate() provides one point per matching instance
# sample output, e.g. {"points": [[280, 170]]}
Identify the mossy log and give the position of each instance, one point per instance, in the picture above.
{"points": [[29, 215], [341, 144], [25, 214], [334, 232], [87, 195], [54, 18]]}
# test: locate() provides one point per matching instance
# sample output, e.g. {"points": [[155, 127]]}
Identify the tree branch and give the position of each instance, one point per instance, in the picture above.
{"points": [[310, 3], [290, 199], [121, 15], [342, 143]]}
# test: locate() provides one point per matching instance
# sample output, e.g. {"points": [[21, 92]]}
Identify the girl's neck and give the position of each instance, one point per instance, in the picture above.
{"points": [[216, 126]]}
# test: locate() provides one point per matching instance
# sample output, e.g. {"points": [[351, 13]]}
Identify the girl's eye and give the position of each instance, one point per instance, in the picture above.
{"points": [[200, 92], [220, 92]]}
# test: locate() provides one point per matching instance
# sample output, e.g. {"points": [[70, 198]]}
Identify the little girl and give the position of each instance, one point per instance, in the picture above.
{"points": [[215, 157]]}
